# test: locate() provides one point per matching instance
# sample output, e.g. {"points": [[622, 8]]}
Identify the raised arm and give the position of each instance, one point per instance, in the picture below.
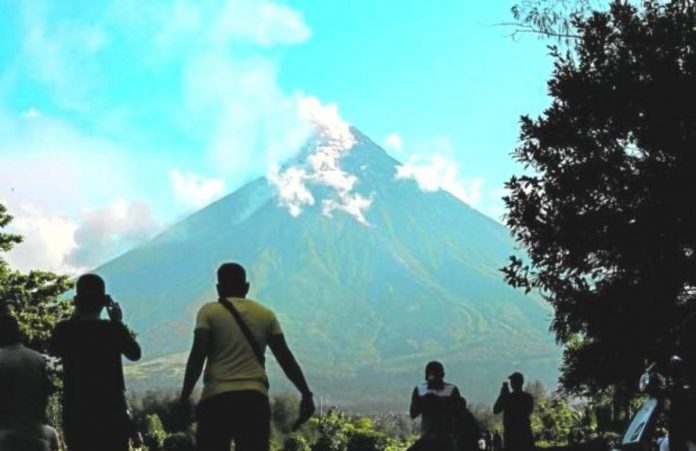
{"points": [[415, 409], [129, 347], [499, 405], [196, 360]]}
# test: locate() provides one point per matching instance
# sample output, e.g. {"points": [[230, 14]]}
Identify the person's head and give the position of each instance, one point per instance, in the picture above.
{"points": [[231, 280], [90, 294], [516, 381], [434, 372], [9, 330]]}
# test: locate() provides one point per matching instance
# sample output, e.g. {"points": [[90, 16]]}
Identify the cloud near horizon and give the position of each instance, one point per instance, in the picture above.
{"points": [[437, 172], [196, 190]]}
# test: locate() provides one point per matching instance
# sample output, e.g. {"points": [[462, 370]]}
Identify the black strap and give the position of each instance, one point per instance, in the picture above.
{"points": [[245, 330]]}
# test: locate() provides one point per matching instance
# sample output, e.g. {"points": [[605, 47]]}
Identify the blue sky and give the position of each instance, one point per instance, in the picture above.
{"points": [[119, 117]]}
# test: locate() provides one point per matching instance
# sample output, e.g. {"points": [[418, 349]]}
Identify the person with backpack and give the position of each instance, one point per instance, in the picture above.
{"points": [[230, 339], [437, 403]]}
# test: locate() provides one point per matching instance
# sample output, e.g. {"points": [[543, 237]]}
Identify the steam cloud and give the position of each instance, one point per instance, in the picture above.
{"points": [[321, 167]]}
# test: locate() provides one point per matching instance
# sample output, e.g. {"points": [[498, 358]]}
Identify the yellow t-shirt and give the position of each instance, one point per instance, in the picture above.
{"points": [[231, 364]]}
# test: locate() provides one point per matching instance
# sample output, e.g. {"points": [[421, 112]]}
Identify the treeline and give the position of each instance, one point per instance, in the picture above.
{"points": [[557, 421], [164, 426]]}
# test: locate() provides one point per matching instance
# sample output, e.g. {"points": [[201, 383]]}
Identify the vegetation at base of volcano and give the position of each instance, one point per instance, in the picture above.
{"points": [[556, 421]]}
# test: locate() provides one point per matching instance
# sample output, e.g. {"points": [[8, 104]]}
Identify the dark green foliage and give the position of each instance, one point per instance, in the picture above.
{"points": [[296, 442], [603, 211], [163, 405], [154, 431], [179, 441], [285, 409], [32, 298], [366, 440]]}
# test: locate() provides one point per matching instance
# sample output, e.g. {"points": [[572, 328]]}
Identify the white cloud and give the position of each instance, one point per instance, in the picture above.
{"points": [[107, 231], [354, 204], [65, 245], [61, 54], [328, 124], [440, 173], [195, 190], [250, 124], [31, 113], [48, 240], [321, 167], [52, 176], [264, 23], [292, 191], [393, 142], [52, 166]]}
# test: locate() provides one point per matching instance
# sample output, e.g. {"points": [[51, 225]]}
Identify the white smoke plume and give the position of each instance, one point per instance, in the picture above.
{"points": [[334, 139]]}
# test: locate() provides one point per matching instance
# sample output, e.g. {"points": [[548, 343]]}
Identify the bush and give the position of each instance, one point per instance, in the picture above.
{"points": [[179, 442]]}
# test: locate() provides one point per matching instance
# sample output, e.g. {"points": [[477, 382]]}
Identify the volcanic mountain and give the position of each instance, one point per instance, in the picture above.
{"points": [[370, 276]]}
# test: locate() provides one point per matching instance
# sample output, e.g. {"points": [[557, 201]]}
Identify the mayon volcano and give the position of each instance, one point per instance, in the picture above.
{"points": [[370, 276]]}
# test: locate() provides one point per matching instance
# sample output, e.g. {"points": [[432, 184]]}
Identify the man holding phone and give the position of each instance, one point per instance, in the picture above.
{"points": [[516, 406], [94, 406]]}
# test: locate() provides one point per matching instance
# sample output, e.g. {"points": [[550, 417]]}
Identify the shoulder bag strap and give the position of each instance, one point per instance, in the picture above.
{"points": [[245, 330]]}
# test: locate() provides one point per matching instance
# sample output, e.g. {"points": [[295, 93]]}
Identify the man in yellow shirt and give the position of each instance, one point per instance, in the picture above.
{"points": [[230, 338]]}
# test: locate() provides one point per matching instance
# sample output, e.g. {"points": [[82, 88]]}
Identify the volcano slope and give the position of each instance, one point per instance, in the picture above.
{"points": [[370, 276]]}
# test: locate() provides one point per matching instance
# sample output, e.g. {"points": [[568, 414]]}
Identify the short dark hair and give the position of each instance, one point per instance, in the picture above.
{"points": [[231, 276], [9, 330], [517, 379], [90, 290]]}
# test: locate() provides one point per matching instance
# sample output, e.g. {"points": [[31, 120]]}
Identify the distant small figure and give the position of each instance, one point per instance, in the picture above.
{"points": [[516, 406], [488, 437], [482, 443], [232, 335], [437, 402], [95, 415], [663, 441], [24, 391], [497, 441]]}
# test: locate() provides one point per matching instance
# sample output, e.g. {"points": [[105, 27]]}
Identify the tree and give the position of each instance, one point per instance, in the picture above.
{"points": [[33, 298], [548, 18], [604, 209]]}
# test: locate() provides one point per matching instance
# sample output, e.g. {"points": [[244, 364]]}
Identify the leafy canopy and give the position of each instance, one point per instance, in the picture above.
{"points": [[605, 209], [32, 298]]}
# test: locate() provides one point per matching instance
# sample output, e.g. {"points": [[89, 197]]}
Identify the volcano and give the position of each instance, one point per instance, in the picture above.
{"points": [[370, 276]]}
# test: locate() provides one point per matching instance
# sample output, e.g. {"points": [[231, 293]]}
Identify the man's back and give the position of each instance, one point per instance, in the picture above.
{"points": [[437, 407], [232, 364], [516, 420], [91, 354], [518, 408]]}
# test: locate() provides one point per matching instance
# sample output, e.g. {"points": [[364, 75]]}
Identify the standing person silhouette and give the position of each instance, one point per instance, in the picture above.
{"points": [[438, 403], [94, 406], [24, 390], [516, 406], [230, 338]]}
